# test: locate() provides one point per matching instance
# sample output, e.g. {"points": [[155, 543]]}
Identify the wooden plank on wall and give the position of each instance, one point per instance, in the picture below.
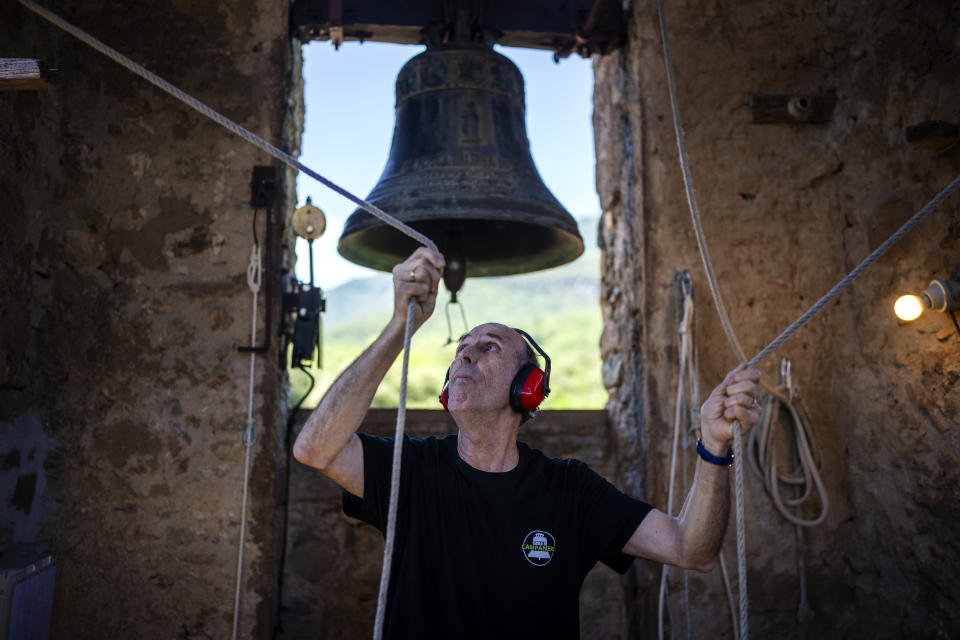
{"points": [[26, 73]]}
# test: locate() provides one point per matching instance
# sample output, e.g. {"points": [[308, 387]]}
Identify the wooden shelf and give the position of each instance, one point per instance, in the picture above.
{"points": [[26, 73]]}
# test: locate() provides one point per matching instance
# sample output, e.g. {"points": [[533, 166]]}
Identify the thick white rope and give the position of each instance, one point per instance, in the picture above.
{"points": [[289, 160], [724, 318], [254, 277], [394, 480]]}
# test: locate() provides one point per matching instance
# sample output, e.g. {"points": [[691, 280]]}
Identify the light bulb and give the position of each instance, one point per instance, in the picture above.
{"points": [[908, 307]]}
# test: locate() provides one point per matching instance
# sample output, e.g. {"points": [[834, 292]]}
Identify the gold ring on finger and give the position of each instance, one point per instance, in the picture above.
{"points": [[413, 276]]}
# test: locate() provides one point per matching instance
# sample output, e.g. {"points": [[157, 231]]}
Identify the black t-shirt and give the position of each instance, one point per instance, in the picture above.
{"points": [[491, 555]]}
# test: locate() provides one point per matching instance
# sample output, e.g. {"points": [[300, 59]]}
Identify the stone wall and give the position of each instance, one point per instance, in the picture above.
{"points": [[789, 209], [332, 564], [125, 234]]}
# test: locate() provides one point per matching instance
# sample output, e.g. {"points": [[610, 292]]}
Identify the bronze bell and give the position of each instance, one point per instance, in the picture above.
{"points": [[460, 172]]}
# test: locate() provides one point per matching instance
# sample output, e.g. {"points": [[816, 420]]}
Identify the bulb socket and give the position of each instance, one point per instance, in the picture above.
{"points": [[942, 295]]}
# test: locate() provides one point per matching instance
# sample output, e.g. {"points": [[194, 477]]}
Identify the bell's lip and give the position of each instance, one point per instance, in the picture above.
{"points": [[491, 247]]}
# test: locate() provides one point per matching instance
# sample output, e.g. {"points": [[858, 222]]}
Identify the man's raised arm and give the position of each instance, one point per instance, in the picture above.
{"points": [[328, 440], [692, 539]]}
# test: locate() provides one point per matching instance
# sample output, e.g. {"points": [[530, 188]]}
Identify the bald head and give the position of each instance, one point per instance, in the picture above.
{"points": [[508, 336]]}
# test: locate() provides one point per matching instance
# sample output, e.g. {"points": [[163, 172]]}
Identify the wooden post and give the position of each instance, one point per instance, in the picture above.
{"points": [[26, 73]]}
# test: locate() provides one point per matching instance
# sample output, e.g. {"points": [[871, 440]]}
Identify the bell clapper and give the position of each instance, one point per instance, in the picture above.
{"points": [[454, 275], [463, 316]]}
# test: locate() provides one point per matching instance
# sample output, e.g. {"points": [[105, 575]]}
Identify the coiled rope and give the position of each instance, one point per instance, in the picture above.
{"points": [[782, 406], [763, 460], [722, 312], [290, 161]]}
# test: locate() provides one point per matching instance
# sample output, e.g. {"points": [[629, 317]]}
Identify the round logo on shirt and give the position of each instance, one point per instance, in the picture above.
{"points": [[538, 548]]}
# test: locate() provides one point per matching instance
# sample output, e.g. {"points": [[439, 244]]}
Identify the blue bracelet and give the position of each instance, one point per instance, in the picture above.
{"points": [[712, 459]]}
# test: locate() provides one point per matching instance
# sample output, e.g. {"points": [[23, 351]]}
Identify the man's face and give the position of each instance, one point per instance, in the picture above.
{"points": [[488, 358]]}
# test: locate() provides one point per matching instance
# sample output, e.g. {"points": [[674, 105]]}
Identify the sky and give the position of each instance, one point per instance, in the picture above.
{"points": [[349, 126]]}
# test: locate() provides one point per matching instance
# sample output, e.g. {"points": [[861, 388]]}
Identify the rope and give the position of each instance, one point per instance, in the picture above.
{"points": [[290, 161], [254, 273], [684, 356], [687, 407], [722, 312], [405, 229], [223, 121], [394, 478], [761, 452], [860, 268]]}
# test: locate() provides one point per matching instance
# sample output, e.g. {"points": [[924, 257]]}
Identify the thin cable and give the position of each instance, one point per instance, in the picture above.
{"points": [[254, 276], [223, 121], [293, 412], [394, 479]]}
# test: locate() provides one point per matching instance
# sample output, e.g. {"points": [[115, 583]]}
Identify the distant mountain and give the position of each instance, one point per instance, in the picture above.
{"points": [[559, 307]]}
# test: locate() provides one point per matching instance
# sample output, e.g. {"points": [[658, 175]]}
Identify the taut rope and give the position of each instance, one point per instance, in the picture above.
{"points": [[254, 278], [289, 160], [223, 121], [722, 312]]}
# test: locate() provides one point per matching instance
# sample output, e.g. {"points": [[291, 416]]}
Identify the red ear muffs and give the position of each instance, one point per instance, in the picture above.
{"points": [[445, 393], [526, 390]]}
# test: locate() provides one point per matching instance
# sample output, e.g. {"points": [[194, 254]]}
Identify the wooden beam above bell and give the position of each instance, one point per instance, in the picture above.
{"points": [[26, 73], [583, 27]]}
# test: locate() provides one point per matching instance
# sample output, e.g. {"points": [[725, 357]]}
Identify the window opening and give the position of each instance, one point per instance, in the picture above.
{"points": [[349, 98]]}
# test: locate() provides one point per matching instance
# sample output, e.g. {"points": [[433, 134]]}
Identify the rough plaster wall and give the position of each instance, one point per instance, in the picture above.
{"points": [[788, 210], [124, 241], [332, 568]]}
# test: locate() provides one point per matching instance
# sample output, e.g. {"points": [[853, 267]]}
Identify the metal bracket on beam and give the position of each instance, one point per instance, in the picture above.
{"points": [[336, 23]]}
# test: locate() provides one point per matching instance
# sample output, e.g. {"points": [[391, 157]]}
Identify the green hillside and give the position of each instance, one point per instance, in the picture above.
{"points": [[559, 307]]}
